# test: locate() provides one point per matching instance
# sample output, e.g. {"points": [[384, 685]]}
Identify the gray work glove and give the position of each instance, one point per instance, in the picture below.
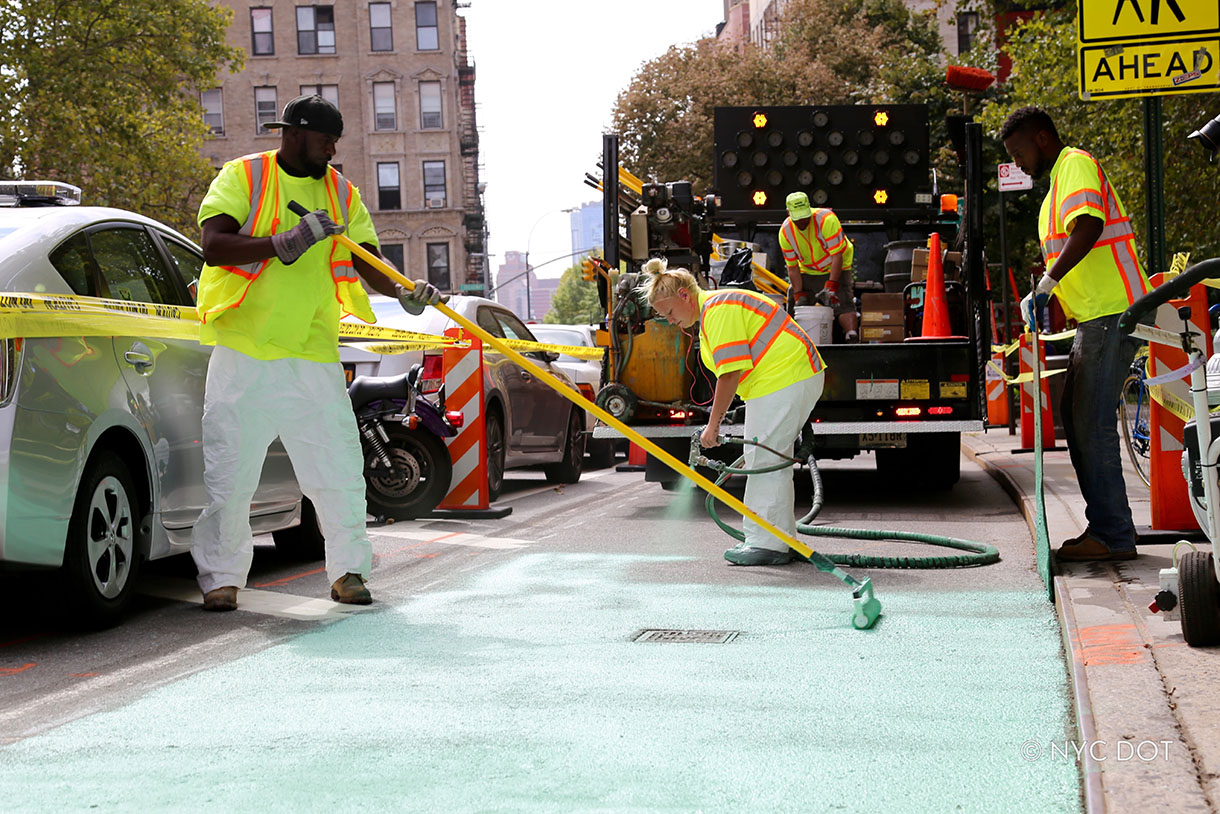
{"points": [[424, 294], [827, 297], [290, 245]]}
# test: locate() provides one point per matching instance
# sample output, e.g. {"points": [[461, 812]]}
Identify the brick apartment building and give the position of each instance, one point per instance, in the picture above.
{"points": [[399, 72]]}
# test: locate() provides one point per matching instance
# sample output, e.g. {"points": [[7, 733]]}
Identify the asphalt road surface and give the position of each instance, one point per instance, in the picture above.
{"points": [[499, 669]]}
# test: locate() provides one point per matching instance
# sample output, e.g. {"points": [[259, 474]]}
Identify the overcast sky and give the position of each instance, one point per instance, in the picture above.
{"points": [[547, 75]]}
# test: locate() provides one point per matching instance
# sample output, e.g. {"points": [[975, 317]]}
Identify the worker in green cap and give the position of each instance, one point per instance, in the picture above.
{"points": [[818, 256]]}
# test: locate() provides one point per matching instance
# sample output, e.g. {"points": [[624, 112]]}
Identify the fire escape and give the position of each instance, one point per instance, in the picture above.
{"points": [[473, 217]]}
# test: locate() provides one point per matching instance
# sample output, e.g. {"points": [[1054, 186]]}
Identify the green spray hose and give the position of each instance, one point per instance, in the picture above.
{"points": [[980, 553]]}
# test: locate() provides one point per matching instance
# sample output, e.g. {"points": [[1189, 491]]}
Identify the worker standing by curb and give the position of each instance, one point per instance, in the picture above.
{"points": [[819, 256], [757, 350], [271, 296], [1092, 268]]}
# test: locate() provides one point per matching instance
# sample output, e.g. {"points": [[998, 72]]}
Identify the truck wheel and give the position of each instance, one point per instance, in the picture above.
{"points": [[101, 554], [568, 470], [1199, 594]]}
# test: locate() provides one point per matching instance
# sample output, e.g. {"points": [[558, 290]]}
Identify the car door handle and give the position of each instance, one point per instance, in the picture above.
{"points": [[138, 359]]}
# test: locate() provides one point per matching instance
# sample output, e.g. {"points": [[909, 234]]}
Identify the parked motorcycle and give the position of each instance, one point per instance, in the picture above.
{"points": [[407, 467]]}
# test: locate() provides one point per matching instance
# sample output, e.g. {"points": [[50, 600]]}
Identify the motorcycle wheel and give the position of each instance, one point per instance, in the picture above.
{"points": [[421, 476]]}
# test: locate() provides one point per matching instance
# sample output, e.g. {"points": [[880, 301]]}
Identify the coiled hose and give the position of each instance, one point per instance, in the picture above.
{"points": [[979, 553]]}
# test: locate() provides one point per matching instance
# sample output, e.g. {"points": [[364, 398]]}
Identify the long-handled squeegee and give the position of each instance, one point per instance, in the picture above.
{"points": [[866, 607]]}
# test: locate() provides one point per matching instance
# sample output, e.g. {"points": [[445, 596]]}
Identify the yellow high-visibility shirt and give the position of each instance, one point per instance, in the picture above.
{"points": [[743, 330], [812, 249], [269, 310], [1109, 278]]}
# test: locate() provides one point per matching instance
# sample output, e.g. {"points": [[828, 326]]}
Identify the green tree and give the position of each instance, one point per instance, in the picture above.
{"points": [[575, 301], [104, 94], [825, 52]]}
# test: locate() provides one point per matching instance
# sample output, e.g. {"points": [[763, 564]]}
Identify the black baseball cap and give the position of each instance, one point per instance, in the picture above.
{"points": [[311, 113]]}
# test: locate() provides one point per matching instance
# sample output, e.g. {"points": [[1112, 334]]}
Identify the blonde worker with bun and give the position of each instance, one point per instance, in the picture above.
{"points": [[758, 351]]}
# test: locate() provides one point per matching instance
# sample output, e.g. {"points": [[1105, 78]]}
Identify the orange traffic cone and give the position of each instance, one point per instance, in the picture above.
{"points": [[935, 311], [636, 459]]}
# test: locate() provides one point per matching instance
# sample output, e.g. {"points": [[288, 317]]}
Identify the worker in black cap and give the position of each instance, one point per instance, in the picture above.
{"points": [[271, 296]]}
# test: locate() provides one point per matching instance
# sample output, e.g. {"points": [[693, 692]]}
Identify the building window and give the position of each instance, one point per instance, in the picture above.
{"points": [[381, 32], [328, 92], [213, 111], [265, 109], [315, 29], [385, 117], [438, 265], [967, 22], [427, 38], [393, 253], [389, 195], [430, 105], [434, 184], [261, 32]]}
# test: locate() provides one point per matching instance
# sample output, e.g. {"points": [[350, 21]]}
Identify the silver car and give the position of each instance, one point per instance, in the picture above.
{"points": [[528, 423], [586, 373], [100, 437]]}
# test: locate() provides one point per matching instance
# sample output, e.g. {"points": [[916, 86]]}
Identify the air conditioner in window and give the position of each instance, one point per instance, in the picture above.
{"points": [[436, 203]]}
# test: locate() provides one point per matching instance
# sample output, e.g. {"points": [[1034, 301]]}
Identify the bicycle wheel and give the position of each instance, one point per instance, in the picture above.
{"points": [[1133, 407]]}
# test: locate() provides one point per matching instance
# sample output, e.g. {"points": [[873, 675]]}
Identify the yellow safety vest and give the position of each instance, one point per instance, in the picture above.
{"points": [[743, 330], [224, 287], [1109, 278], [813, 249]]}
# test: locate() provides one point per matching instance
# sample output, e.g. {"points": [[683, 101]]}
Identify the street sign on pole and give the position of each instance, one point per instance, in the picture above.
{"points": [[1135, 48], [1013, 179]]}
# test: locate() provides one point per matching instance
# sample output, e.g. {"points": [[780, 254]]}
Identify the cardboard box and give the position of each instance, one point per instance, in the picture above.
{"points": [[881, 333], [951, 262], [881, 309]]}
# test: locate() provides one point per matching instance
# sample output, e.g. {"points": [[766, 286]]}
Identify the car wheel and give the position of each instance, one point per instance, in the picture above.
{"points": [[101, 554], [305, 541], [495, 455], [421, 476], [568, 469]]}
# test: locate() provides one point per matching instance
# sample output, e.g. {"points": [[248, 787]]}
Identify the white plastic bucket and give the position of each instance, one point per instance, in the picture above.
{"points": [[817, 321]]}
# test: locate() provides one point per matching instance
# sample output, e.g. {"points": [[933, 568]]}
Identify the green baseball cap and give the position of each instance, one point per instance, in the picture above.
{"points": [[798, 206]]}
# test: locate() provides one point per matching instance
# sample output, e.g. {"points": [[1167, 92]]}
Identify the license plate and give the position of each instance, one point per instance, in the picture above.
{"points": [[883, 440], [349, 372]]}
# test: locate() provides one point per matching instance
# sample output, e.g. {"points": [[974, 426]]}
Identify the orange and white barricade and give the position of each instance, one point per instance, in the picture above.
{"points": [[997, 393], [1043, 389], [468, 449]]}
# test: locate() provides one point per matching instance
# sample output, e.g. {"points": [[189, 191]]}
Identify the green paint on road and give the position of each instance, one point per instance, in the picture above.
{"points": [[525, 692]]}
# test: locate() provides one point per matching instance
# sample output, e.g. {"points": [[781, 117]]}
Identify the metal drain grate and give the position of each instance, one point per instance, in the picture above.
{"points": [[698, 636]]}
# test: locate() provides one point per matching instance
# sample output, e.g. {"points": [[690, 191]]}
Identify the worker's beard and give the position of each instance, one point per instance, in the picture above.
{"points": [[317, 171]]}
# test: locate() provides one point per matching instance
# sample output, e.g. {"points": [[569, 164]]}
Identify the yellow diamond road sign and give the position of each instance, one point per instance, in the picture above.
{"points": [[1147, 47]]}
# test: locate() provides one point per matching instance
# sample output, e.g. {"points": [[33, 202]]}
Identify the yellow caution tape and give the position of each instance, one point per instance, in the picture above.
{"points": [[1016, 343], [1175, 404], [48, 315], [1021, 378]]}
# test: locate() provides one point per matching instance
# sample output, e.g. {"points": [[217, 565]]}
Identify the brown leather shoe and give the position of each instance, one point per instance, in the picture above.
{"points": [[349, 589], [1076, 539], [220, 599], [1089, 549]]}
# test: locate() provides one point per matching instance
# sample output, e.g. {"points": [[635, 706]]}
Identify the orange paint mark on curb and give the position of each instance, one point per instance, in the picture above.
{"points": [[1111, 644], [275, 582], [83, 675], [10, 671]]}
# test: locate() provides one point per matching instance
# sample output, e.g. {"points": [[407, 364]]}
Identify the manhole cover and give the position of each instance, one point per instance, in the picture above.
{"points": [[702, 636]]}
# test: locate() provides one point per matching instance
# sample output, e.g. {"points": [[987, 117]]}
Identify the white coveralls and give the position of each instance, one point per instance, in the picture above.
{"points": [[775, 420], [248, 403]]}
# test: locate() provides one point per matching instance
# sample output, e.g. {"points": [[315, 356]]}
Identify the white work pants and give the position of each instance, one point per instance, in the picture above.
{"points": [[775, 420], [247, 403]]}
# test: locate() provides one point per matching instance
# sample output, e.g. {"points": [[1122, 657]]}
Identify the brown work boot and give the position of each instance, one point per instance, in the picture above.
{"points": [[1088, 548], [349, 589], [1075, 540], [220, 599]]}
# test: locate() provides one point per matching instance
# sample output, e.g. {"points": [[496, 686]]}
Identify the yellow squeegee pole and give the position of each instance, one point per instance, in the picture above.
{"points": [[576, 398]]}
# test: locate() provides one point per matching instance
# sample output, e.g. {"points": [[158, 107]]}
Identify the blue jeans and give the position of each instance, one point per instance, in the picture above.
{"points": [[1099, 362]]}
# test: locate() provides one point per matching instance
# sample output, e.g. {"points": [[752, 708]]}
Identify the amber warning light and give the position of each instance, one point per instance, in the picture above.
{"points": [[881, 196], [881, 118], [760, 120], [760, 198]]}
